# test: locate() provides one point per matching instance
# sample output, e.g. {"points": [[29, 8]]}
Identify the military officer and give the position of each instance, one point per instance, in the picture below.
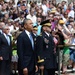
{"points": [[45, 50]]}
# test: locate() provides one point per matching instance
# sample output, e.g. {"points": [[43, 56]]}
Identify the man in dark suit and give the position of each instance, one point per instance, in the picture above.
{"points": [[5, 51], [25, 49], [45, 49]]}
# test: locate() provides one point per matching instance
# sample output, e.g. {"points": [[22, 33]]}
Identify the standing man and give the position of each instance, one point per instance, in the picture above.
{"points": [[25, 49], [45, 49], [5, 51]]}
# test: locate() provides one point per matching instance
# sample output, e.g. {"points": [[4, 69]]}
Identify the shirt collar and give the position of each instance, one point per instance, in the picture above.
{"points": [[28, 33], [47, 33], [4, 34]]}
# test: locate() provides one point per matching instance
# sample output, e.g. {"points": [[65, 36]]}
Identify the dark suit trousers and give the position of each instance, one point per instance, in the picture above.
{"points": [[29, 73], [5, 67]]}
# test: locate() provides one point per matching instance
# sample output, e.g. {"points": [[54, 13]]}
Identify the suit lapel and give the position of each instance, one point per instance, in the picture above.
{"points": [[4, 38], [26, 37]]}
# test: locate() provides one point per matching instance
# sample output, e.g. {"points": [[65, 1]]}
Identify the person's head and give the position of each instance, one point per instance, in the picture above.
{"points": [[70, 6], [21, 26], [23, 7], [63, 3], [65, 14], [62, 11], [1, 24], [3, 7], [71, 19], [44, 1], [48, 29], [59, 5], [39, 19], [39, 12], [6, 15], [35, 29], [58, 9], [32, 10], [5, 29], [22, 14], [28, 25], [46, 26], [51, 17]]}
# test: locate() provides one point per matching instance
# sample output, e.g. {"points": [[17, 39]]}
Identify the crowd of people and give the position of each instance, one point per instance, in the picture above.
{"points": [[30, 33]]}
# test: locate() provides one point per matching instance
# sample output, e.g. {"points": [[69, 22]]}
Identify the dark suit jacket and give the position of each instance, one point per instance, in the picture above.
{"points": [[25, 51], [45, 49], [5, 49]]}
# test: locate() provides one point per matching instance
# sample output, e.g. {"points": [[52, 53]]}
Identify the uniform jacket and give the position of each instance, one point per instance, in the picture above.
{"points": [[45, 49]]}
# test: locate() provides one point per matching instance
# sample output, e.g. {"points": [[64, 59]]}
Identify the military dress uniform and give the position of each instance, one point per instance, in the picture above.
{"points": [[45, 50]]}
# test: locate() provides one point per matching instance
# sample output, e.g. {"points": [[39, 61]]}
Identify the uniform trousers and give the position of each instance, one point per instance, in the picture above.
{"points": [[49, 71]]}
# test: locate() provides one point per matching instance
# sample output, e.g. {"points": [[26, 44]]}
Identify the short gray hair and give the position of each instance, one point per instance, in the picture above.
{"points": [[4, 27], [2, 24], [25, 21]]}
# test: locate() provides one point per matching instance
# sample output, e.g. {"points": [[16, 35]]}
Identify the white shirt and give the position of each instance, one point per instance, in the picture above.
{"points": [[5, 35], [45, 9], [28, 33], [47, 34], [33, 18], [71, 13]]}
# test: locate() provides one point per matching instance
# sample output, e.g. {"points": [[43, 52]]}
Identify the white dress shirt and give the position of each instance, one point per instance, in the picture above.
{"points": [[29, 35]]}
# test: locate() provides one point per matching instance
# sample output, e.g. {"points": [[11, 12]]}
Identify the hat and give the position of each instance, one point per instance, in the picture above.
{"points": [[45, 23], [61, 22], [35, 28], [53, 11]]}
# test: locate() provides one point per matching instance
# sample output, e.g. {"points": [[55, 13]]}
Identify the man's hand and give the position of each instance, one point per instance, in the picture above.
{"points": [[36, 68], [1, 58], [25, 71], [41, 67]]}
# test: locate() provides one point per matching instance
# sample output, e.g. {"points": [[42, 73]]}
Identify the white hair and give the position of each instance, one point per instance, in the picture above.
{"points": [[4, 27]]}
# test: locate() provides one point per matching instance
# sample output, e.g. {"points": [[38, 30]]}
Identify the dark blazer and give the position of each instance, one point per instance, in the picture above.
{"points": [[25, 51], [5, 48], [45, 49]]}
